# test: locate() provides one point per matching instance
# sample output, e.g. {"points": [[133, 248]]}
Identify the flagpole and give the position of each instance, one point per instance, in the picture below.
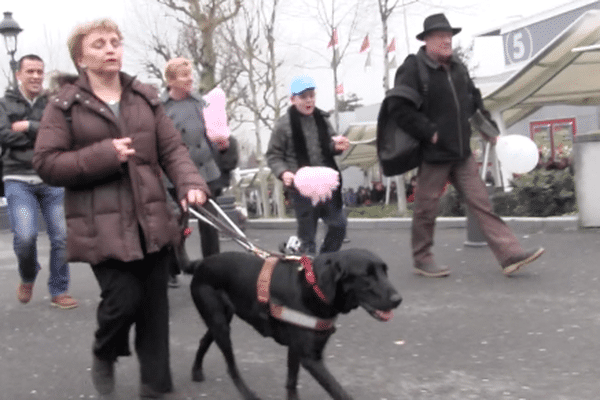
{"points": [[406, 28], [386, 71], [334, 64]]}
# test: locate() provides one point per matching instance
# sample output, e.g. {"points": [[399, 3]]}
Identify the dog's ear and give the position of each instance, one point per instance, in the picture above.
{"points": [[193, 266], [337, 272], [329, 272]]}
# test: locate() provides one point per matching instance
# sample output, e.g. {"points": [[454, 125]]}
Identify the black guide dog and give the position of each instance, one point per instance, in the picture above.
{"points": [[226, 284]]}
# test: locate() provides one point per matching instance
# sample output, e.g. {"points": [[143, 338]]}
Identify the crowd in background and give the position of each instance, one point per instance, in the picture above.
{"points": [[376, 194]]}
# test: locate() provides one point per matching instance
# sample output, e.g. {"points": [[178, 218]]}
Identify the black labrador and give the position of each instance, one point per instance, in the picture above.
{"points": [[226, 284]]}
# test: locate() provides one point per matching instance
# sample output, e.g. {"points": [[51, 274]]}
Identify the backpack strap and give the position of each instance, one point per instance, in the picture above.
{"points": [[417, 97], [424, 80]]}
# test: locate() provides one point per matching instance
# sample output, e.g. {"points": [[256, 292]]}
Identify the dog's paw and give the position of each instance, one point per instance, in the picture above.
{"points": [[197, 375]]}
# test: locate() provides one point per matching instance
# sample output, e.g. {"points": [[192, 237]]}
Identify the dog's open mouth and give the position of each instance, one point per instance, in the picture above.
{"points": [[382, 315]]}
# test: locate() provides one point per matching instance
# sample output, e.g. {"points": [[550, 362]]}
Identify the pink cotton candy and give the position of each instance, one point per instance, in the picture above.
{"points": [[215, 116], [317, 183]]}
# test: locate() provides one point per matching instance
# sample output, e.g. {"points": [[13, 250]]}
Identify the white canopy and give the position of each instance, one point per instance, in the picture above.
{"points": [[362, 152], [564, 72]]}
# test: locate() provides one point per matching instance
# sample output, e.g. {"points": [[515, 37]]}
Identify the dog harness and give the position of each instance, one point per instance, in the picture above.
{"points": [[282, 312]]}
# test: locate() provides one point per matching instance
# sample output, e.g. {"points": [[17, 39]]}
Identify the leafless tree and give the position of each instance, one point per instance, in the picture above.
{"points": [[158, 37], [258, 86], [204, 17], [386, 9], [334, 16]]}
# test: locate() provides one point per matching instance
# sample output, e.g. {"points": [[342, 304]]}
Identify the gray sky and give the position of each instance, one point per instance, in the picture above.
{"points": [[47, 25]]}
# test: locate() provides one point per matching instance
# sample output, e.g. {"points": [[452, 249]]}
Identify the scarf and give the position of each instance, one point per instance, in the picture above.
{"points": [[324, 139], [300, 140]]}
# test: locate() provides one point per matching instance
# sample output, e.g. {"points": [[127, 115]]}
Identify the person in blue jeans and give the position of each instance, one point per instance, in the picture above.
{"points": [[21, 110]]}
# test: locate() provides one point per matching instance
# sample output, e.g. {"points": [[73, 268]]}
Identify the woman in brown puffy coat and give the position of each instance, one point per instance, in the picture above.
{"points": [[106, 139]]}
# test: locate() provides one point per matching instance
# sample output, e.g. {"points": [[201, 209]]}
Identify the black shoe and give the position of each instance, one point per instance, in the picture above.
{"points": [[173, 281], [183, 261], [431, 270], [514, 263], [103, 375], [146, 392]]}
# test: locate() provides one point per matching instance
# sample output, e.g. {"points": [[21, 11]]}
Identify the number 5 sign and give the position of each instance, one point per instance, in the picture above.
{"points": [[518, 46]]}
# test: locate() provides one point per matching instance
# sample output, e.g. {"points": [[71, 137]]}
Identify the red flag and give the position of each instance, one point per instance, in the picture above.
{"points": [[366, 45], [339, 90], [392, 46], [334, 39]]}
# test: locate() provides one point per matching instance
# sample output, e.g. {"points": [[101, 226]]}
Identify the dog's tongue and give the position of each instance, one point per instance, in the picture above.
{"points": [[384, 315]]}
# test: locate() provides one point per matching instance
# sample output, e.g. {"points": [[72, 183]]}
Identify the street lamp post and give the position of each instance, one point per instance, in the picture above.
{"points": [[10, 29]]}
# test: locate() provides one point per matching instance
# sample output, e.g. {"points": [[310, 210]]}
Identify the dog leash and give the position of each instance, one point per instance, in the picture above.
{"points": [[222, 223]]}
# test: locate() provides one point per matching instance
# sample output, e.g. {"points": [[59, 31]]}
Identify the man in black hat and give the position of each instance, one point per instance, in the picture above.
{"points": [[438, 116]]}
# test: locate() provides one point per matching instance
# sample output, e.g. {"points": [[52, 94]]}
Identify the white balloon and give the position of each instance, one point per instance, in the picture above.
{"points": [[517, 153]]}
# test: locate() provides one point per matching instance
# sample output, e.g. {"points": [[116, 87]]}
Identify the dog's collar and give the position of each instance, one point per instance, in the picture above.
{"points": [[264, 279], [311, 278]]}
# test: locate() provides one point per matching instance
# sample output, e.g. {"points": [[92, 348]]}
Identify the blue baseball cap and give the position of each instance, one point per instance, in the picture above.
{"points": [[301, 84]]}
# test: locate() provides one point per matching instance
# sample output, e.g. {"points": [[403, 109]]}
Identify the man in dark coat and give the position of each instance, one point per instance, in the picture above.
{"points": [[442, 126], [21, 110]]}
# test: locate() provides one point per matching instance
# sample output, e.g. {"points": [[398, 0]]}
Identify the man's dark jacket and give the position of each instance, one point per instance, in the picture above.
{"points": [[451, 100], [18, 146]]}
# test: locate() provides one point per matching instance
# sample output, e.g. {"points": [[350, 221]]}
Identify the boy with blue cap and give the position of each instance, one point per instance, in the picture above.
{"points": [[304, 137]]}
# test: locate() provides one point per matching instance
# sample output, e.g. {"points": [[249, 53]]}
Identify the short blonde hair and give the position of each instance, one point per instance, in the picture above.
{"points": [[75, 41], [173, 65]]}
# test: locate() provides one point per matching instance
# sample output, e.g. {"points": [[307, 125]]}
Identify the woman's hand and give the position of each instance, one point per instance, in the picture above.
{"points": [[222, 143], [123, 148], [194, 197]]}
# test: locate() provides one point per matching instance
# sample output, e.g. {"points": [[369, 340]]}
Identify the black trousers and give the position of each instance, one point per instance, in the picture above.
{"points": [[209, 236], [135, 293], [308, 216], [209, 239]]}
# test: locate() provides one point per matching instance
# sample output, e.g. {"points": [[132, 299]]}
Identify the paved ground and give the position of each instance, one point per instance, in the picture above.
{"points": [[473, 335]]}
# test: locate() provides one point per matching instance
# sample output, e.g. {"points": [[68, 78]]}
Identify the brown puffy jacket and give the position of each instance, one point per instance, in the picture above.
{"points": [[113, 209]]}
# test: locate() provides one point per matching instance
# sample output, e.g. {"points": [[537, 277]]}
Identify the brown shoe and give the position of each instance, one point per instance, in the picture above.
{"points": [[24, 292], [64, 301], [431, 270], [514, 263]]}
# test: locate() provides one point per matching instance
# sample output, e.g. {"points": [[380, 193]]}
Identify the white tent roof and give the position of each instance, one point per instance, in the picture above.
{"points": [[362, 152], [561, 73]]}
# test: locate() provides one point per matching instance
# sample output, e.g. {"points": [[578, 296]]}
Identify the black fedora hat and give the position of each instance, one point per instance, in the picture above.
{"points": [[436, 22]]}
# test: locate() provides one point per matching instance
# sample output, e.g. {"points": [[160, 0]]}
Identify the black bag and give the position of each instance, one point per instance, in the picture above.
{"points": [[398, 151]]}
